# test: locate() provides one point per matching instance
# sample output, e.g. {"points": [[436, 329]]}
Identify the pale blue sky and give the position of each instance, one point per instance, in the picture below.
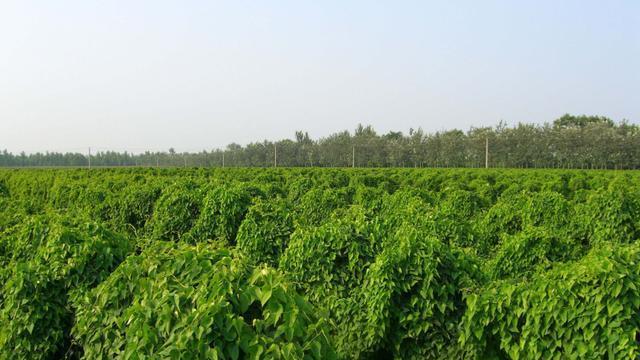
{"points": [[134, 75]]}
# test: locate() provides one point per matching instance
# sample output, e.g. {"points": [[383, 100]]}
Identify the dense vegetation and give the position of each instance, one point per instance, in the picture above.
{"points": [[319, 263], [584, 142]]}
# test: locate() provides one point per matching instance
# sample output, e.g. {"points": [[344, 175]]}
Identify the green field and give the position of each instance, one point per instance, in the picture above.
{"points": [[319, 264]]}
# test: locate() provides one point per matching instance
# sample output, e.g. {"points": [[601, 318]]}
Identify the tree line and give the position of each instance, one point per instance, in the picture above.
{"points": [[587, 142]]}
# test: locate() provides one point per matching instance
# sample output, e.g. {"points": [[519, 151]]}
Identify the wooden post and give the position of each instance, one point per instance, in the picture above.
{"points": [[486, 153], [353, 156]]}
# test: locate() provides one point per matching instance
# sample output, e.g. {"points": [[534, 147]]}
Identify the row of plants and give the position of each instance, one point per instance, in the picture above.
{"points": [[319, 263]]}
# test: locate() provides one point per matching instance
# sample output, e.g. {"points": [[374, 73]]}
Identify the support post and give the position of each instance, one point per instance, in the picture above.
{"points": [[353, 156], [486, 153]]}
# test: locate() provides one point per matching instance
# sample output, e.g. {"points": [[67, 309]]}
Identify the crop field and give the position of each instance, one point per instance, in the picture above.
{"points": [[319, 264]]}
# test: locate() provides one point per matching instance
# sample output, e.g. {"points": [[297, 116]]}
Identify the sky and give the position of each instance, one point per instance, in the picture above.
{"points": [[193, 75]]}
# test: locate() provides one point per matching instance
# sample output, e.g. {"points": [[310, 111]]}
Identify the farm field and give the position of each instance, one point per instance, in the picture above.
{"points": [[319, 263]]}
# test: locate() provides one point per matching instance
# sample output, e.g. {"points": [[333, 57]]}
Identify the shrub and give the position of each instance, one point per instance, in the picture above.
{"points": [[175, 211], [180, 300], [328, 261], [532, 250], [583, 309], [452, 219], [4, 189], [612, 215], [135, 207], [47, 262], [264, 234], [316, 205], [222, 212], [513, 212], [409, 303]]}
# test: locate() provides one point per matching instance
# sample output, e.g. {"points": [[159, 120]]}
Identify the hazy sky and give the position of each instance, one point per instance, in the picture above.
{"points": [[135, 75]]}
